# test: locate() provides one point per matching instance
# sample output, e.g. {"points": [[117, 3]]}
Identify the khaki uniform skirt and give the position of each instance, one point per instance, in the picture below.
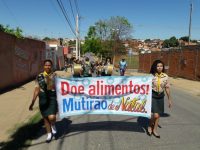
{"points": [[157, 102], [47, 103]]}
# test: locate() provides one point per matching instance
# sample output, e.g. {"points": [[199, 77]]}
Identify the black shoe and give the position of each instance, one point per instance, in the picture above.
{"points": [[55, 136], [149, 133], [157, 136], [48, 141]]}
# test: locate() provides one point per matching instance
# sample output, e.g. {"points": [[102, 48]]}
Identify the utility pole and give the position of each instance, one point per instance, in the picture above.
{"points": [[190, 23], [77, 36], [116, 36]]}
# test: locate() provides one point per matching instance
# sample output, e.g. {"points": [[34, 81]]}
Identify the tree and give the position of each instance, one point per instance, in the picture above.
{"points": [[92, 32], [72, 43], [147, 40], [120, 26], [2, 27], [92, 45], [102, 29], [185, 38], [166, 44], [46, 39], [172, 42], [16, 32], [108, 35]]}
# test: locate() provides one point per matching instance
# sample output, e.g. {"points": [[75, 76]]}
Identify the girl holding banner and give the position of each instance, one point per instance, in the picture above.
{"points": [[45, 89], [160, 84]]}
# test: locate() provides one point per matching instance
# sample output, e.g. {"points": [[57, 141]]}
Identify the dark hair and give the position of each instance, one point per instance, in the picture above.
{"points": [[108, 58], [154, 66], [87, 59], [48, 60]]}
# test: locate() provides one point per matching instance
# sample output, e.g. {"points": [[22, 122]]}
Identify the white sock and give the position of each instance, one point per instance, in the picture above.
{"points": [[53, 129], [49, 136]]}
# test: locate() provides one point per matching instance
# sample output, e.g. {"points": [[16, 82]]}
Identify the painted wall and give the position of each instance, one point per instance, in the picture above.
{"points": [[179, 63], [20, 59]]}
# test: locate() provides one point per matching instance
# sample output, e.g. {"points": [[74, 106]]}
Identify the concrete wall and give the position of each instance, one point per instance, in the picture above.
{"points": [[20, 59], [184, 62]]}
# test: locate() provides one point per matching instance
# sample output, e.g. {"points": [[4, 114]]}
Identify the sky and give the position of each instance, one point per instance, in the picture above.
{"points": [[154, 19]]}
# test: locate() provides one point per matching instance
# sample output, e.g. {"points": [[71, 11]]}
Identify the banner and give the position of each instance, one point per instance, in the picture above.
{"points": [[105, 95]]}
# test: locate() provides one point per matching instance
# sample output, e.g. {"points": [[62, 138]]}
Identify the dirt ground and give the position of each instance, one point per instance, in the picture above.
{"points": [[14, 104]]}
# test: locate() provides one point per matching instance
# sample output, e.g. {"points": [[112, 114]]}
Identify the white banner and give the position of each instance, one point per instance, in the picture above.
{"points": [[105, 95]]}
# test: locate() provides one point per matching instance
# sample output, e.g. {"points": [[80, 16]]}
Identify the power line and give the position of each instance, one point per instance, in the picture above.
{"points": [[66, 16], [72, 11], [16, 21], [77, 9], [53, 4]]}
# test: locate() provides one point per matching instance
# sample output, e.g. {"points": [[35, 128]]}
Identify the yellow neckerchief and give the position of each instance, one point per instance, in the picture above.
{"points": [[46, 74], [48, 80], [159, 77]]}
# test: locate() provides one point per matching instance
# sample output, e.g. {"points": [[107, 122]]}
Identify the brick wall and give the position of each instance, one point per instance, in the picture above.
{"points": [[183, 63], [20, 59]]}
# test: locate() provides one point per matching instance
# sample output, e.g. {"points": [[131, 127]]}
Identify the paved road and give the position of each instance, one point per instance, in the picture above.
{"points": [[180, 130]]}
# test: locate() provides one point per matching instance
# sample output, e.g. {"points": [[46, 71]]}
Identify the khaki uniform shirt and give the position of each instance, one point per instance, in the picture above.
{"points": [[160, 82]]}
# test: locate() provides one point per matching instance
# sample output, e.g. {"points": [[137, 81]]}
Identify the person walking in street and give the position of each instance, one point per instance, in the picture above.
{"points": [[160, 83], [45, 89], [122, 66], [108, 68], [87, 68]]}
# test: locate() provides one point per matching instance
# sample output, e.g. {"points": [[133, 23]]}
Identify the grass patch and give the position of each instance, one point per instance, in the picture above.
{"points": [[23, 135], [132, 61]]}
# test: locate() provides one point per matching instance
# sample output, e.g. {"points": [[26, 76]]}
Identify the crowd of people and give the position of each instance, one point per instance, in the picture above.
{"points": [[88, 68], [45, 89]]}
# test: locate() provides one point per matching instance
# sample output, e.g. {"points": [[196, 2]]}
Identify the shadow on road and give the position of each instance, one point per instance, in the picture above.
{"points": [[15, 86], [21, 136], [144, 122], [66, 129], [75, 129]]}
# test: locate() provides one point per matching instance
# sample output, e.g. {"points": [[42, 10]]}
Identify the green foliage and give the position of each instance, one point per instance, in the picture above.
{"points": [[101, 28], [194, 41], [185, 38], [92, 32], [172, 42], [46, 39], [16, 32], [2, 28], [106, 36], [92, 45], [72, 43], [120, 26], [147, 40]]}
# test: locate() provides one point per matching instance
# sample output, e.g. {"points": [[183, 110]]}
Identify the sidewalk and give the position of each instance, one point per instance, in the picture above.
{"points": [[14, 104], [14, 109]]}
